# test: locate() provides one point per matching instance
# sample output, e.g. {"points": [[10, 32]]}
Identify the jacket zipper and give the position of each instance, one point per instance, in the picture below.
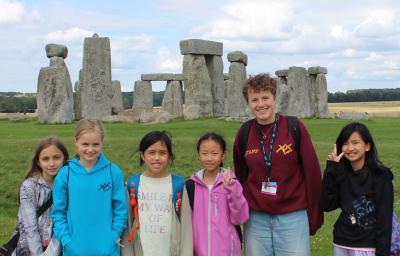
{"points": [[215, 206], [209, 223], [231, 245]]}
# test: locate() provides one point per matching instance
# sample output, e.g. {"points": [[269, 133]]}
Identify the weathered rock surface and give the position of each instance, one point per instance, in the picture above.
{"points": [[237, 56], [157, 77], [116, 101], [54, 95], [97, 91], [198, 95], [143, 96], [215, 70], [199, 46], [56, 50], [173, 99]]}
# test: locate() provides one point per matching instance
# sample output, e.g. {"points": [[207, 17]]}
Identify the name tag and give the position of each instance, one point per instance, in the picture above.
{"points": [[269, 188]]}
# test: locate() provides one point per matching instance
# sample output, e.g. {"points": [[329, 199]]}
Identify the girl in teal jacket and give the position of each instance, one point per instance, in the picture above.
{"points": [[90, 210]]}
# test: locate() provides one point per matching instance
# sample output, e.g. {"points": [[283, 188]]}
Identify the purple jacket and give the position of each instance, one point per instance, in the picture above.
{"points": [[215, 215]]}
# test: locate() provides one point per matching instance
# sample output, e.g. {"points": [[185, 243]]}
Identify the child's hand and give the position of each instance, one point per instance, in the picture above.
{"points": [[227, 177], [333, 156]]}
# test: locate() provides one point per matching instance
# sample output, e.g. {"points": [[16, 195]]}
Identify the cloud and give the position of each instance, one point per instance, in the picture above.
{"points": [[373, 56], [168, 62], [71, 35], [14, 13], [11, 12], [131, 52], [378, 23], [250, 20]]}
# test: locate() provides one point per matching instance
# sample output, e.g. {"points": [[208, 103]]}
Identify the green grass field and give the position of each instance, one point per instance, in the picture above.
{"points": [[18, 140]]}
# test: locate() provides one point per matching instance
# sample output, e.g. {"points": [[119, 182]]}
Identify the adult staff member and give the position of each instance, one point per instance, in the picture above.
{"points": [[282, 186]]}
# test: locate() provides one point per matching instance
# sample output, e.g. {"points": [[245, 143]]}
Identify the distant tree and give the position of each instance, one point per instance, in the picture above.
{"points": [[17, 104], [127, 99], [365, 95]]}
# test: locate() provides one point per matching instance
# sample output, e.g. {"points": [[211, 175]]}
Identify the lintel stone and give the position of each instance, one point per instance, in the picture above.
{"points": [[237, 56], [201, 47], [317, 70], [56, 50], [281, 72], [177, 77], [157, 77]]}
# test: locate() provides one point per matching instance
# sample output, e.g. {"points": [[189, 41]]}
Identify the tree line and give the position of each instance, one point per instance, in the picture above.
{"points": [[9, 103], [365, 95]]}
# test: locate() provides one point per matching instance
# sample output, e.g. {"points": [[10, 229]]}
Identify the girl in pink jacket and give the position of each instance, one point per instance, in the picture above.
{"points": [[217, 201]]}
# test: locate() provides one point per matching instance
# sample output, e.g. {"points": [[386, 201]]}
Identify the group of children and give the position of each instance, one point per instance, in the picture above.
{"points": [[159, 213]]}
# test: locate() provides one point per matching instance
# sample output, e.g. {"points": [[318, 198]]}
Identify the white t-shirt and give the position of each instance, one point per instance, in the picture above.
{"points": [[155, 214]]}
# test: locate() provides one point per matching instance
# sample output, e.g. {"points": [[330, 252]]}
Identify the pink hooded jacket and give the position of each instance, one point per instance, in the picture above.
{"points": [[215, 215]]}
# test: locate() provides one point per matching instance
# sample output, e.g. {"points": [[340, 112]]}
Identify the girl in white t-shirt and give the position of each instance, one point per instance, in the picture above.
{"points": [[159, 221]]}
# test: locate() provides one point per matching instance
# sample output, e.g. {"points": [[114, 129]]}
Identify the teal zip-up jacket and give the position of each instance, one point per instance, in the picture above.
{"points": [[90, 211]]}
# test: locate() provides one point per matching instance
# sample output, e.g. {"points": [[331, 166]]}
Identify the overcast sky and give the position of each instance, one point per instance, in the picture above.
{"points": [[358, 40]]}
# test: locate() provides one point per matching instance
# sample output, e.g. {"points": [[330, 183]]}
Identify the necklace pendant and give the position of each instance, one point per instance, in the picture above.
{"points": [[264, 137], [353, 219]]}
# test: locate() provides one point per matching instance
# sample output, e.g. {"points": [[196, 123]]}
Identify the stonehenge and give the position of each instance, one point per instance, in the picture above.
{"points": [[302, 92], [201, 90]]}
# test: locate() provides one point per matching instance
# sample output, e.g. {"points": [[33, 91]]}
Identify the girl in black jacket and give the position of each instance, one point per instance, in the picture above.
{"points": [[361, 186]]}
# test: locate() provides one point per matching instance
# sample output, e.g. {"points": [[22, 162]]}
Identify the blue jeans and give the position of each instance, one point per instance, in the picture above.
{"points": [[277, 235]]}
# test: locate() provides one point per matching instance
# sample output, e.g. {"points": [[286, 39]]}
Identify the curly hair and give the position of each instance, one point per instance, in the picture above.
{"points": [[258, 83]]}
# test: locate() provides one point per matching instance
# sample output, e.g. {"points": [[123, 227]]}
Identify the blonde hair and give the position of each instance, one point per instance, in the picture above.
{"points": [[88, 125]]}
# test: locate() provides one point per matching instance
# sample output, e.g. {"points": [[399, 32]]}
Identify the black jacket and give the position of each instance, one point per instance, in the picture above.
{"points": [[365, 198]]}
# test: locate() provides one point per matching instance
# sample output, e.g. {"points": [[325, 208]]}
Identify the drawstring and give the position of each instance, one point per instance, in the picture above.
{"points": [[178, 203], [135, 214]]}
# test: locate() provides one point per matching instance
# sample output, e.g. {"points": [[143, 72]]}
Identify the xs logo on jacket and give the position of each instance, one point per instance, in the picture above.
{"points": [[285, 149], [105, 187]]}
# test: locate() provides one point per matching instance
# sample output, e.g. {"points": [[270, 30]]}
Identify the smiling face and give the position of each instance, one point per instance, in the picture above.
{"points": [[211, 155], [156, 159], [50, 161], [88, 147], [355, 149], [262, 105]]}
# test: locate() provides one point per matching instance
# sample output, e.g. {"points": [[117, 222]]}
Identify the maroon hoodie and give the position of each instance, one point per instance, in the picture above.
{"points": [[298, 188]]}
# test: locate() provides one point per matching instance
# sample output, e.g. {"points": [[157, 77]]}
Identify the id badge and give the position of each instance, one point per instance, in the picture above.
{"points": [[269, 187]]}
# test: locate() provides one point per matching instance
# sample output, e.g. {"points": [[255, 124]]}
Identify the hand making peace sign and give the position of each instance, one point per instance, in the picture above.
{"points": [[227, 177], [333, 156]]}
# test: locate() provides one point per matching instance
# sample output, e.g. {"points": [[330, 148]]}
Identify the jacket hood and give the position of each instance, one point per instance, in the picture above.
{"points": [[76, 167], [198, 177]]}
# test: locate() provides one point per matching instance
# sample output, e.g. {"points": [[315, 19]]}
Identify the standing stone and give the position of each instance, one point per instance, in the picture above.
{"points": [[172, 101], [299, 100], [282, 92], [215, 69], [226, 92], [236, 104], [142, 97], [116, 102], [318, 91], [78, 97], [322, 95], [54, 93], [97, 91], [198, 95]]}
